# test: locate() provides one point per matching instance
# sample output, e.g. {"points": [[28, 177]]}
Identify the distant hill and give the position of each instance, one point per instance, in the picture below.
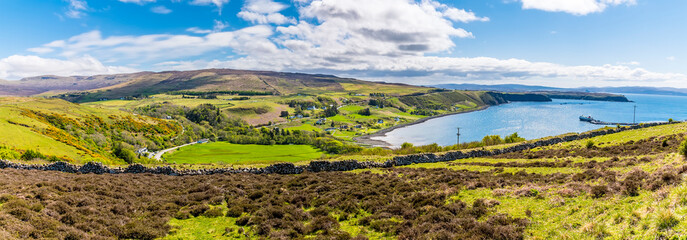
{"points": [[93, 88], [529, 88], [43, 84]]}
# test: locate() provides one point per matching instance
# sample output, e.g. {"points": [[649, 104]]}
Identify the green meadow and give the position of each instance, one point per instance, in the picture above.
{"points": [[241, 154]]}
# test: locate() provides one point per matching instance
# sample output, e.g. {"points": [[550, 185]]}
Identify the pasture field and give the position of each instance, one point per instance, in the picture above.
{"points": [[241, 154]]}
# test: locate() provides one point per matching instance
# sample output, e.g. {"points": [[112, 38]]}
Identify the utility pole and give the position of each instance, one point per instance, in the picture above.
{"points": [[634, 114], [458, 136]]}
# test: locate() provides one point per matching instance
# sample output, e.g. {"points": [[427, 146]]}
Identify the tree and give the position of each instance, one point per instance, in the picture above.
{"points": [[365, 112], [513, 138], [284, 114], [124, 152], [331, 111], [492, 140], [205, 112]]}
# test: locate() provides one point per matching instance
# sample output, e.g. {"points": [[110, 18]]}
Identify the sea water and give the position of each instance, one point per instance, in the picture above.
{"points": [[533, 120]]}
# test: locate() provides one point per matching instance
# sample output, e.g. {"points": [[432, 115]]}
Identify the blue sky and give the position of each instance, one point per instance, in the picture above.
{"points": [[546, 42]]}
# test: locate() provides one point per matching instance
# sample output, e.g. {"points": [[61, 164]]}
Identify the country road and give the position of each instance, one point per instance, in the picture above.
{"points": [[158, 155]]}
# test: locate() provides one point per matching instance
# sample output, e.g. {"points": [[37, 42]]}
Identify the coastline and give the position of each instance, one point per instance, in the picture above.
{"points": [[367, 139]]}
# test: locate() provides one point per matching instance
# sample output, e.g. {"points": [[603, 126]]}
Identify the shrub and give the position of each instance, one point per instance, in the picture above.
{"points": [[599, 191], [9, 154], [666, 220], [31, 154], [234, 211], [213, 212], [365, 112], [124, 151], [513, 138], [242, 221], [182, 214], [683, 148], [631, 187], [324, 223], [492, 140], [406, 145], [589, 144], [197, 210]]}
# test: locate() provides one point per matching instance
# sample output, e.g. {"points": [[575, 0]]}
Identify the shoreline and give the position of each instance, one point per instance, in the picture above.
{"points": [[367, 139]]}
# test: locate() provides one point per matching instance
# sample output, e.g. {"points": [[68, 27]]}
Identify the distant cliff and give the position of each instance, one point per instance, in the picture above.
{"points": [[446, 100], [592, 94], [585, 96], [520, 97]]}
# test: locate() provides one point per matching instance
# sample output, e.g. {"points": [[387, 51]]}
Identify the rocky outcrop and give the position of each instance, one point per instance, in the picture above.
{"points": [[314, 166]]}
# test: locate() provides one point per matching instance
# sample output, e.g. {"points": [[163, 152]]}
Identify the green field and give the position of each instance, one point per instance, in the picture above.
{"points": [[238, 154]]}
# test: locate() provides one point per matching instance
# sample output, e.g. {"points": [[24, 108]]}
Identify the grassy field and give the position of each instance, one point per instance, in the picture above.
{"points": [[238, 154]]}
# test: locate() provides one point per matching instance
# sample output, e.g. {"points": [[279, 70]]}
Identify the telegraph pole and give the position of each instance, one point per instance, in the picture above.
{"points": [[458, 136], [634, 114]]}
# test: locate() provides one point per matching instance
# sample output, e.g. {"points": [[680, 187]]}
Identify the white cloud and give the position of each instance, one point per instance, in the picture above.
{"points": [[264, 12], [161, 10], [631, 63], [455, 14], [160, 46], [351, 28], [264, 6], [219, 26], [671, 58], [276, 18], [141, 2], [218, 3], [19, 66], [198, 30], [41, 50], [76, 8], [575, 7], [361, 38]]}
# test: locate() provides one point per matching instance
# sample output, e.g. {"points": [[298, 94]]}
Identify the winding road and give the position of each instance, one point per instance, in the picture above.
{"points": [[158, 155]]}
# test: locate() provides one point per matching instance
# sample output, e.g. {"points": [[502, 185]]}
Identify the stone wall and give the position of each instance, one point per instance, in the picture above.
{"points": [[315, 166]]}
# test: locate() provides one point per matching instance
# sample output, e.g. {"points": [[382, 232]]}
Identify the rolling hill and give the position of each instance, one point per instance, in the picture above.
{"points": [[76, 133], [140, 85]]}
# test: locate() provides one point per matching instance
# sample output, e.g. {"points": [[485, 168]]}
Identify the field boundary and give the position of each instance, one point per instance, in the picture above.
{"points": [[318, 166]]}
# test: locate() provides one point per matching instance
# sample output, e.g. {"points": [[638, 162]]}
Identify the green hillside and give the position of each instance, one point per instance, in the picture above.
{"points": [[76, 133]]}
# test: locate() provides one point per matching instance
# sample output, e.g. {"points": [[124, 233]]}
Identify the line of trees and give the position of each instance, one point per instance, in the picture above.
{"points": [[240, 93]]}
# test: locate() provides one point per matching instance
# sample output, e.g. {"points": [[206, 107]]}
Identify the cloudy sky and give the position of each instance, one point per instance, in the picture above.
{"points": [[545, 42]]}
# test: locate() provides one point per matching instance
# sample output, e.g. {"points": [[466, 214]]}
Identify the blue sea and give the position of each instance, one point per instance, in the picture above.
{"points": [[533, 120]]}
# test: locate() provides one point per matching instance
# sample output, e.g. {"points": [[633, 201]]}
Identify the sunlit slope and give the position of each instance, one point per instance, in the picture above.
{"points": [[627, 185], [70, 131]]}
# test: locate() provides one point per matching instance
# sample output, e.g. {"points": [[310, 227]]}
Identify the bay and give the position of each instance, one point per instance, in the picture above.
{"points": [[533, 120]]}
